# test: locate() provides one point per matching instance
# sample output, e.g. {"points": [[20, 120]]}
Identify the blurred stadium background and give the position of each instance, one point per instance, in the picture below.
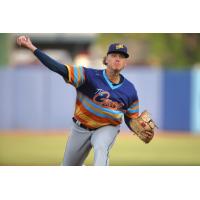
{"points": [[165, 69]]}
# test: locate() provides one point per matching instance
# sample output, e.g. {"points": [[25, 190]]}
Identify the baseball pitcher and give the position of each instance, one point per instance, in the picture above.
{"points": [[104, 98]]}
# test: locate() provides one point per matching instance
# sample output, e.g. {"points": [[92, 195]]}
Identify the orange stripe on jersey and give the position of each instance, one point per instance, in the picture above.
{"points": [[135, 102], [79, 76], [134, 115], [104, 115], [90, 123], [70, 74], [133, 110], [91, 120], [97, 108], [135, 107], [82, 109], [76, 75]]}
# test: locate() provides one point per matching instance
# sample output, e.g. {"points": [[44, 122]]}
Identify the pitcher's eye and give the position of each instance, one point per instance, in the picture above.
{"points": [[113, 55], [122, 56]]}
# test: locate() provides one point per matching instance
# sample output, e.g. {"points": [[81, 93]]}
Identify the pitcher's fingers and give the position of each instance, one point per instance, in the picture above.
{"points": [[18, 41], [24, 39]]}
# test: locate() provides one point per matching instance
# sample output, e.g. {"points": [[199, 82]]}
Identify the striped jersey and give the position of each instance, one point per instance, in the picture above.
{"points": [[99, 102]]}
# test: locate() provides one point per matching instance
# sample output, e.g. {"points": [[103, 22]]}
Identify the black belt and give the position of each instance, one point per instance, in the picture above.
{"points": [[83, 126]]}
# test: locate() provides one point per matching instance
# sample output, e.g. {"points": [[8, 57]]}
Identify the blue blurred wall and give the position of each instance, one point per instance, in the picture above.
{"points": [[195, 98], [176, 97], [36, 98]]}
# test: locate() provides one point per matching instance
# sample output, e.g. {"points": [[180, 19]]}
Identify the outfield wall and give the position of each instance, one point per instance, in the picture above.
{"points": [[195, 101], [36, 98], [177, 100]]}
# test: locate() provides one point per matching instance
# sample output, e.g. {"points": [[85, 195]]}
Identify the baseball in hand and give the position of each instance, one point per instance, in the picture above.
{"points": [[24, 41]]}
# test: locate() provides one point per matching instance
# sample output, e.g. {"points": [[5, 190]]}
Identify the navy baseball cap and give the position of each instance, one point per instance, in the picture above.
{"points": [[118, 48]]}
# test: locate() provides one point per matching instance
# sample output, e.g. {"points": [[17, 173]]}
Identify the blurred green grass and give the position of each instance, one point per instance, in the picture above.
{"points": [[128, 150]]}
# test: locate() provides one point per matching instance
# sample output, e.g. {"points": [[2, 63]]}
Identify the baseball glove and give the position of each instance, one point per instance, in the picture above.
{"points": [[143, 126]]}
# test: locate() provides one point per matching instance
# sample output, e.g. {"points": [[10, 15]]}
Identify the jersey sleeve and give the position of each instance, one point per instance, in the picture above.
{"points": [[50, 63], [133, 110], [76, 75]]}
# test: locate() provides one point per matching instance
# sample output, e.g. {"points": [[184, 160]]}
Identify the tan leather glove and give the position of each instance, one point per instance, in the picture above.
{"points": [[143, 126]]}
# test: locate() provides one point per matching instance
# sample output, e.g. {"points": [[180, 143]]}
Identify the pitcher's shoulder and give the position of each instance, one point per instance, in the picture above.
{"points": [[129, 84]]}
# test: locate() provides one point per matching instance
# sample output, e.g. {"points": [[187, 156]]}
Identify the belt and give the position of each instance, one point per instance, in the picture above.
{"points": [[83, 126]]}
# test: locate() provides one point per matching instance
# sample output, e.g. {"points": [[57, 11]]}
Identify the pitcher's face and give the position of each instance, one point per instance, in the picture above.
{"points": [[116, 61]]}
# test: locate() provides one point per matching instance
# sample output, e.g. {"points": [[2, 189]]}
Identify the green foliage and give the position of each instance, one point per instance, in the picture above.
{"points": [[5, 45], [176, 50]]}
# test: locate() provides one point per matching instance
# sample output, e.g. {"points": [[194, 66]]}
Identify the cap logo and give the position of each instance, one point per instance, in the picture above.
{"points": [[119, 46]]}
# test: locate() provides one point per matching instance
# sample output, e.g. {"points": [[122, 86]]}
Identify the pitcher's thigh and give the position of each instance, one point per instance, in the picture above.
{"points": [[77, 148], [102, 141], [104, 136]]}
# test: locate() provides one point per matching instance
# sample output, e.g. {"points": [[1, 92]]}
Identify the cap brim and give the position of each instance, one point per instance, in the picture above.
{"points": [[126, 55]]}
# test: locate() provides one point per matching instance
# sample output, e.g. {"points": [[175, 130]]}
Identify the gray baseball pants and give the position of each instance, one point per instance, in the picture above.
{"points": [[81, 141]]}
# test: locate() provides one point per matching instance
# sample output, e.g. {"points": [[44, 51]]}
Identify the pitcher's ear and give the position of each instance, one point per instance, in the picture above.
{"points": [[104, 60]]}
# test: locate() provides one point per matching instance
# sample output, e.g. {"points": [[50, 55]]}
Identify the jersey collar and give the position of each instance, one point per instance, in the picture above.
{"points": [[109, 82]]}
